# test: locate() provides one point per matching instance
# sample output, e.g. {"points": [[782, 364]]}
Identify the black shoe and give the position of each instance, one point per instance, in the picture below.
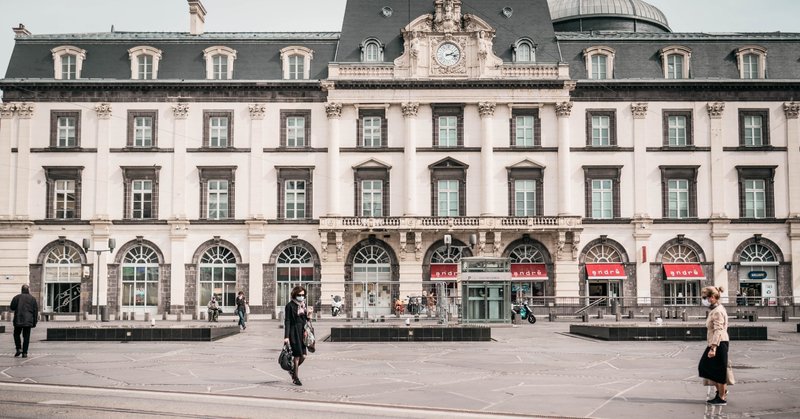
{"points": [[716, 401], [24, 355], [296, 381], [17, 354]]}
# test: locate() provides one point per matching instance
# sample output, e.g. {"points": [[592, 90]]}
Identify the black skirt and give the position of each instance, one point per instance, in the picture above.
{"points": [[716, 368]]}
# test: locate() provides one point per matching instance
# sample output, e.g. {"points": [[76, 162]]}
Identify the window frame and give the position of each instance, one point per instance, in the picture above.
{"points": [[58, 54], [688, 173], [765, 130], [518, 45], [285, 114], [676, 50], [132, 115], [760, 53], [591, 52], [457, 111], [448, 169], [307, 56], [216, 173], [210, 53], [535, 174], [612, 173], [364, 48], [53, 174], [372, 173], [207, 129], [612, 126], [763, 173], [384, 127], [135, 53], [536, 128], [689, 128], [131, 174], [295, 173], [55, 115]]}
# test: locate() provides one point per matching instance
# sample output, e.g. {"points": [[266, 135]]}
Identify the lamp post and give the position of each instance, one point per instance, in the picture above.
{"points": [[86, 248]]}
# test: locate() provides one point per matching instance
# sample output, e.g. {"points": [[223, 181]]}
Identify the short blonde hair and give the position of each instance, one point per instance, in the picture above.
{"points": [[712, 291]]}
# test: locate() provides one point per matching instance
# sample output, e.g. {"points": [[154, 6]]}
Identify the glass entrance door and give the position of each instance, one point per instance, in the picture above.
{"points": [[604, 289], [487, 303], [372, 297]]}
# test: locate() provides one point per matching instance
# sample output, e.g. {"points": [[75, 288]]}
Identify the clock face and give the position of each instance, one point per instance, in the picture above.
{"points": [[448, 54]]}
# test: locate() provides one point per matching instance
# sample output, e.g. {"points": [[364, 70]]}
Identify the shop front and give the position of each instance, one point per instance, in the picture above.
{"points": [[604, 282], [682, 283], [486, 290], [758, 285], [528, 282]]}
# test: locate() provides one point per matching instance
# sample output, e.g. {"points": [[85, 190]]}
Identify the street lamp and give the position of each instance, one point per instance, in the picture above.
{"points": [[86, 248]]}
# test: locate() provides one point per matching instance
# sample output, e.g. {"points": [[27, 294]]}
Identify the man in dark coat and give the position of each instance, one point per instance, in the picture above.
{"points": [[26, 314]]}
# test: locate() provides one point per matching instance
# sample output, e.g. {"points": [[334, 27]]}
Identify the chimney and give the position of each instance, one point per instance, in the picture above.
{"points": [[197, 17], [21, 31]]}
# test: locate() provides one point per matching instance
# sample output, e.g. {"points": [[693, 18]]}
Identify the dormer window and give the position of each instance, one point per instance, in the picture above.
{"points": [[144, 62], [599, 62], [219, 62], [675, 61], [67, 62], [371, 51], [296, 62], [524, 51], [752, 62]]}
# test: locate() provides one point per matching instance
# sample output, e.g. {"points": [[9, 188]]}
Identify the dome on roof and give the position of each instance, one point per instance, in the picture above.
{"points": [[615, 15]]}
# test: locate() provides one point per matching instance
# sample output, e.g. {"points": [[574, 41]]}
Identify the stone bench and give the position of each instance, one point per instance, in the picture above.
{"points": [[48, 317]]}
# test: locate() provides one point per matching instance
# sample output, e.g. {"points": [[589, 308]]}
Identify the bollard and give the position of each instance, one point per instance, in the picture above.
{"points": [[273, 316], [133, 316], [202, 315], [618, 316], [600, 314], [551, 316], [738, 314], [630, 314], [685, 316], [147, 317], [164, 316], [585, 317], [652, 317], [661, 313], [383, 319], [785, 316], [180, 316], [280, 320], [515, 318], [125, 316], [358, 314], [416, 317]]}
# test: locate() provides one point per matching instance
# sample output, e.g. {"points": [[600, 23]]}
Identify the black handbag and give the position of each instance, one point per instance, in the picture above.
{"points": [[285, 358]]}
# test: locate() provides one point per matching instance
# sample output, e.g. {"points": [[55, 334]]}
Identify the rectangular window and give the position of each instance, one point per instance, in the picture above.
{"points": [[142, 199], [599, 67], [602, 199], [755, 198], [525, 198], [64, 199], [371, 131], [295, 199], [524, 131], [143, 131], [448, 198], [677, 131], [371, 198], [217, 199], [218, 131], [67, 128], [753, 131], [675, 66], [68, 67], [448, 131], [296, 67], [145, 67], [220, 67], [678, 198], [750, 63], [601, 131], [295, 131]]}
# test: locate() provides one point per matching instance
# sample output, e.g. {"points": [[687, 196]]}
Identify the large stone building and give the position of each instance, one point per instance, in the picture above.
{"points": [[602, 153]]}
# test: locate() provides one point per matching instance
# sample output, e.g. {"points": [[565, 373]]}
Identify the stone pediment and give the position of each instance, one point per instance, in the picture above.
{"points": [[372, 164], [447, 44], [448, 163], [526, 164]]}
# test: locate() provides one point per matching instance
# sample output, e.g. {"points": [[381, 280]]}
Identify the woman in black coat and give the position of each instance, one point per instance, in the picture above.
{"points": [[294, 329]]}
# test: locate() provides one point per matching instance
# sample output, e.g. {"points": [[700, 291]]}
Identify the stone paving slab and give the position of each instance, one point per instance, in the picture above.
{"points": [[531, 369]]}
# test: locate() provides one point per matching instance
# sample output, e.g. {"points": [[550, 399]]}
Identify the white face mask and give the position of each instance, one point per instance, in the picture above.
{"points": [[300, 298], [705, 302]]}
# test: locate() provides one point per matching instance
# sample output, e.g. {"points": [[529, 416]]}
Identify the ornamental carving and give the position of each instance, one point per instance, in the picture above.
{"points": [[576, 241], [639, 110], [410, 109], [25, 110], [486, 109], [715, 110], [563, 109], [334, 110], [791, 109], [103, 110], [327, 85], [257, 111], [180, 110], [7, 110], [447, 17]]}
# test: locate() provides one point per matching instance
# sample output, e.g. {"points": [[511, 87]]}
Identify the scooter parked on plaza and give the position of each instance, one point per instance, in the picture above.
{"points": [[336, 305], [523, 311]]}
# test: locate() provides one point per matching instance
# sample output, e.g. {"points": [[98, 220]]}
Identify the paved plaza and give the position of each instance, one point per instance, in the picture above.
{"points": [[536, 370]]}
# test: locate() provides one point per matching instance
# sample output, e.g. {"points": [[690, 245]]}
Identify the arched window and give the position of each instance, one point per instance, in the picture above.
{"points": [[218, 276], [599, 62], [757, 254], [603, 253], [605, 272], [144, 62], [67, 62], [682, 275], [758, 275], [296, 62], [140, 273], [444, 262], [526, 253], [219, 62], [752, 61], [524, 51], [676, 61], [371, 51], [372, 273], [529, 274], [62, 280], [680, 253], [294, 267]]}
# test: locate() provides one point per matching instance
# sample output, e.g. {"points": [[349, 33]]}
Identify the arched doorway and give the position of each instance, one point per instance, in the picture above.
{"points": [[217, 276], [295, 266], [530, 272], [758, 273], [371, 278], [604, 272], [140, 279], [62, 279], [679, 266], [441, 266]]}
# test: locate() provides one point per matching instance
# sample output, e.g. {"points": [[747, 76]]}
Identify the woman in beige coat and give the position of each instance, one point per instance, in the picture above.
{"points": [[714, 363]]}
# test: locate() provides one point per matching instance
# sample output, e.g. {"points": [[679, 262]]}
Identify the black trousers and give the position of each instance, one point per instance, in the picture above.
{"points": [[26, 336]]}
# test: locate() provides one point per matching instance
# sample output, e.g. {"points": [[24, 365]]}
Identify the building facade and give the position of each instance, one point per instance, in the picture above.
{"points": [[603, 154]]}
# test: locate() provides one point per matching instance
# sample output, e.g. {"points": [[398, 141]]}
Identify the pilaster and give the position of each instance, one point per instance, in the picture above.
{"points": [[178, 230], [792, 110], [334, 112], [715, 111], [794, 236], [719, 236], [257, 113], [102, 189], [410, 111], [563, 111], [256, 232], [23, 175], [180, 112], [640, 179], [101, 231], [6, 162], [641, 235], [486, 111]]}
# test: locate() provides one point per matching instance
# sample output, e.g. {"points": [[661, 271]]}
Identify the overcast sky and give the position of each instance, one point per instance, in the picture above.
{"points": [[70, 16]]}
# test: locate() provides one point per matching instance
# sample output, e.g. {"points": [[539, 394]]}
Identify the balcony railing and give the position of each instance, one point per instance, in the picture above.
{"points": [[451, 223]]}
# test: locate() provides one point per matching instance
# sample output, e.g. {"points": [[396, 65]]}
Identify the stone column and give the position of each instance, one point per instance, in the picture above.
{"points": [[486, 111], [719, 237], [715, 111], [178, 230], [257, 112], [334, 111], [25, 113], [563, 111], [566, 269], [256, 232], [101, 231], [101, 184], [6, 161], [792, 110], [794, 236], [180, 111], [640, 184], [641, 236], [410, 111]]}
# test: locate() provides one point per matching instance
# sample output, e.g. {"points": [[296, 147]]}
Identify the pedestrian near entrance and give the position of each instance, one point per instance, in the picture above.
{"points": [[241, 310], [26, 314], [713, 365], [294, 329]]}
